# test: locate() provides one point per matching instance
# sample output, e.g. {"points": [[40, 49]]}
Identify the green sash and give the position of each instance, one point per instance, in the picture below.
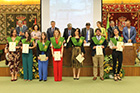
{"points": [[45, 47], [115, 41], [24, 41], [60, 42], [16, 40], [74, 41], [100, 42]]}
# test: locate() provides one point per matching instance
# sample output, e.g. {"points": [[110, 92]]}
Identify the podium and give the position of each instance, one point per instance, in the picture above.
{"points": [[129, 55]]}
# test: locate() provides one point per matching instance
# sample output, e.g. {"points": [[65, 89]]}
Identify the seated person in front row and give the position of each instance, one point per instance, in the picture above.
{"points": [[98, 42]]}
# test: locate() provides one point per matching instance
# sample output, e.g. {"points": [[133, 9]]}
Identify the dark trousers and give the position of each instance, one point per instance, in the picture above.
{"points": [[117, 55]]}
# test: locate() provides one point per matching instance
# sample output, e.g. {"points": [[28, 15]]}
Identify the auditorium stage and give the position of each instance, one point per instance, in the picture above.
{"points": [[68, 85], [131, 70], [87, 70]]}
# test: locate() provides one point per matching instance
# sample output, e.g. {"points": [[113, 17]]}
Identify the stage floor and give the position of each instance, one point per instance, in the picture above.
{"points": [[68, 85]]}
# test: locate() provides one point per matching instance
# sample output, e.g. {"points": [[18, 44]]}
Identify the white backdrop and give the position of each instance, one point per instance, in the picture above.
{"points": [[70, 11]]}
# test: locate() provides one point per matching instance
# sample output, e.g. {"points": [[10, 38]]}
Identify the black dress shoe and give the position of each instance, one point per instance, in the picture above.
{"points": [[12, 79], [75, 78], [40, 79], [45, 80]]}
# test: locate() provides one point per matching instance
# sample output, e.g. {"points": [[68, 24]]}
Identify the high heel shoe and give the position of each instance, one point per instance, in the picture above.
{"points": [[75, 78], [115, 78], [12, 80], [118, 77]]}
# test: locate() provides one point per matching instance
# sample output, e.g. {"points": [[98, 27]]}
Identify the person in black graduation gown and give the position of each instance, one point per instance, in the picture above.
{"points": [[77, 48]]}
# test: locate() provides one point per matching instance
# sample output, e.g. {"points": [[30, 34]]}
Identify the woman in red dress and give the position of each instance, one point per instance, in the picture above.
{"points": [[57, 46]]}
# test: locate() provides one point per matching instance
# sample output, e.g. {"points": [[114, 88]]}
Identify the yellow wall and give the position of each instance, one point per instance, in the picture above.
{"points": [[24, 2], [17, 2], [121, 1]]}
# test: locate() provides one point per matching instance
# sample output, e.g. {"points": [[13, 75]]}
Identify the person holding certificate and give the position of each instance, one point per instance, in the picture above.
{"points": [[13, 53], [98, 45], [114, 44], [78, 49], [43, 49], [57, 53], [27, 56]]}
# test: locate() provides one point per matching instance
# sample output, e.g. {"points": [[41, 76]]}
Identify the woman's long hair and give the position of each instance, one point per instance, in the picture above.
{"points": [[29, 36], [100, 23], [41, 39], [58, 32], [78, 31], [12, 30]]}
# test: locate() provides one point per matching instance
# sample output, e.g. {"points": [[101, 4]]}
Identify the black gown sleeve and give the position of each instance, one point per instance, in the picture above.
{"points": [[105, 43], [92, 44], [69, 43], [48, 51], [38, 50]]}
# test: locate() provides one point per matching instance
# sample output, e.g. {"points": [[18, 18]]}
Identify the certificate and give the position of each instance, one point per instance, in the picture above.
{"points": [[119, 46], [57, 56], [99, 50], [87, 44], [12, 46], [80, 58], [42, 57], [25, 48]]}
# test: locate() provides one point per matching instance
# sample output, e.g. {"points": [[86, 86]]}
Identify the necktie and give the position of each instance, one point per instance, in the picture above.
{"points": [[117, 39], [52, 29], [69, 32], [87, 36]]}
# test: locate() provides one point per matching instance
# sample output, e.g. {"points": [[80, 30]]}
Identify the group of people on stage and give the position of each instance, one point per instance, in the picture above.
{"points": [[52, 41]]}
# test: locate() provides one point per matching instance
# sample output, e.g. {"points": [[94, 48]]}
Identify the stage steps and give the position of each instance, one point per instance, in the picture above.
{"points": [[85, 70]]}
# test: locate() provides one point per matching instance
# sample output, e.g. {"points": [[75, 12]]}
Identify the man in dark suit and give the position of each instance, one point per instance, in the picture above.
{"points": [[111, 30], [129, 33], [96, 41], [51, 30], [69, 31], [87, 32], [21, 29]]}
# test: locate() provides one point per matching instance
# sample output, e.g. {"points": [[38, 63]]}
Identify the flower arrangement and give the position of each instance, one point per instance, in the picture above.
{"points": [[35, 69], [108, 68], [137, 61]]}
